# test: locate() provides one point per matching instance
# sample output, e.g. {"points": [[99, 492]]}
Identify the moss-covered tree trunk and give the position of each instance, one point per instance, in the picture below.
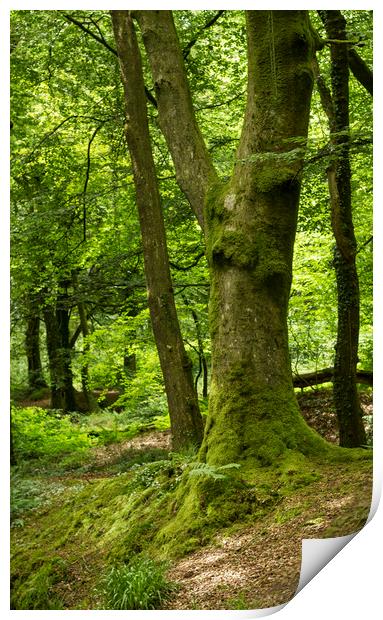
{"points": [[57, 337], [346, 397], [186, 421], [36, 378], [250, 225]]}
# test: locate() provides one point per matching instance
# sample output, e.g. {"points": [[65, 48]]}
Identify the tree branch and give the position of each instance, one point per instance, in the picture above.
{"points": [[194, 168], [369, 240], [192, 42], [325, 375], [53, 131], [101, 39], [359, 68], [193, 264]]}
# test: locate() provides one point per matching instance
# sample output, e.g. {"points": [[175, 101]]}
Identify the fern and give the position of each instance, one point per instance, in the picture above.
{"points": [[212, 471]]}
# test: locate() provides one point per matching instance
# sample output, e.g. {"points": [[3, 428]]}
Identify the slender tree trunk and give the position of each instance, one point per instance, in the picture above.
{"points": [[346, 397], [201, 352], [186, 421], [250, 225], [32, 347], [90, 402], [194, 169]]}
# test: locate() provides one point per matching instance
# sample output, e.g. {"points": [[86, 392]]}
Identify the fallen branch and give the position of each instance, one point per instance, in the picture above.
{"points": [[325, 375]]}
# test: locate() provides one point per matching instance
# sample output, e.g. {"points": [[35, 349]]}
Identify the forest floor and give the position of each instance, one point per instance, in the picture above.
{"points": [[249, 565]]}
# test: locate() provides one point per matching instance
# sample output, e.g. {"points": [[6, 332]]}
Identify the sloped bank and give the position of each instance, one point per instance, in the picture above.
{"points": [[165, 510]]}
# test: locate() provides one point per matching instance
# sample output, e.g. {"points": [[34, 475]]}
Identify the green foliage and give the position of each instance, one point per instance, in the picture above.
{"points": [[30, 493], [139, 585], [212, 471], [42, 433]]}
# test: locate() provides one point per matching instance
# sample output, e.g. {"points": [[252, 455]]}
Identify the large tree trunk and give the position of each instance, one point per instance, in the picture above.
{"points": [[346, 397], [250, 225], [186, 421], [32, 348]]}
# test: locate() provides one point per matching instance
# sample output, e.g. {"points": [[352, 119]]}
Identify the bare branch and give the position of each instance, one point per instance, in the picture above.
{"points": [[101, 39], [87, 178], [192, 42]]}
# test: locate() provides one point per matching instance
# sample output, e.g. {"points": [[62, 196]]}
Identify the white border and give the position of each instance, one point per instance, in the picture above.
{"points": [[349, 586]]}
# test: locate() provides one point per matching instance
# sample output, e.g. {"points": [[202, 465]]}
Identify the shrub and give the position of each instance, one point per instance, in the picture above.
{"points": [[45, 433], [139, 585]]}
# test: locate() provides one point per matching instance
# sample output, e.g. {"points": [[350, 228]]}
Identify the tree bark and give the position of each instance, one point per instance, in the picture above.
{"points": [[90, 402], [346, 397], [250, 225], [57, 335], [186, 421], [36, 379], [194, 169]]}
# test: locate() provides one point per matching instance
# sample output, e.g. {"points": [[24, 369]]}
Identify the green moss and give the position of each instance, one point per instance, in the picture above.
{"points": [[270, 171], [351, 522], [229, 239], [258, 424], [296, 471], [161, 510], [37, 593], [204, 505]]}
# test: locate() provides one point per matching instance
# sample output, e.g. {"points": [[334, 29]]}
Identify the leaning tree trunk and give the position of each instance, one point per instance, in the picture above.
{"points": [[186, 421], [250, 225], [36, 379], [346, 397]]}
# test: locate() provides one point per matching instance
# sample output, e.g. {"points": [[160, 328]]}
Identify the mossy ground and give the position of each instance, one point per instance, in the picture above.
{"points": [[168, 508]]}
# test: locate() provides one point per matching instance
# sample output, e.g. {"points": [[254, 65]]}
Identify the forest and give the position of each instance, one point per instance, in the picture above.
{"points": [[191, 302]]}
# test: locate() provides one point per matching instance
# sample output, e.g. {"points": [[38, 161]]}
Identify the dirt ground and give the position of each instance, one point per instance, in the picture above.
{"points": [[258, 566]]}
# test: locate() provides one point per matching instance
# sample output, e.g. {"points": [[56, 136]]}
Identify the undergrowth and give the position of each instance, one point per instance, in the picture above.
{"points": [[146, 503], [141, 584]]}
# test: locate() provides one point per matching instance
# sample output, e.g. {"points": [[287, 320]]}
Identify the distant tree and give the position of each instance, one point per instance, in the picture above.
{"points": [[336, 105]]}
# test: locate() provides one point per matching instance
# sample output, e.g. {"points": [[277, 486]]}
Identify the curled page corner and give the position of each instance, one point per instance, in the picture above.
{"points": [[260, 613], [316, 553]]}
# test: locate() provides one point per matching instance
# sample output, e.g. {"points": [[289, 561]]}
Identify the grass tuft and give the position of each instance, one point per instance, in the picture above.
{"points": [[139, 585]]}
